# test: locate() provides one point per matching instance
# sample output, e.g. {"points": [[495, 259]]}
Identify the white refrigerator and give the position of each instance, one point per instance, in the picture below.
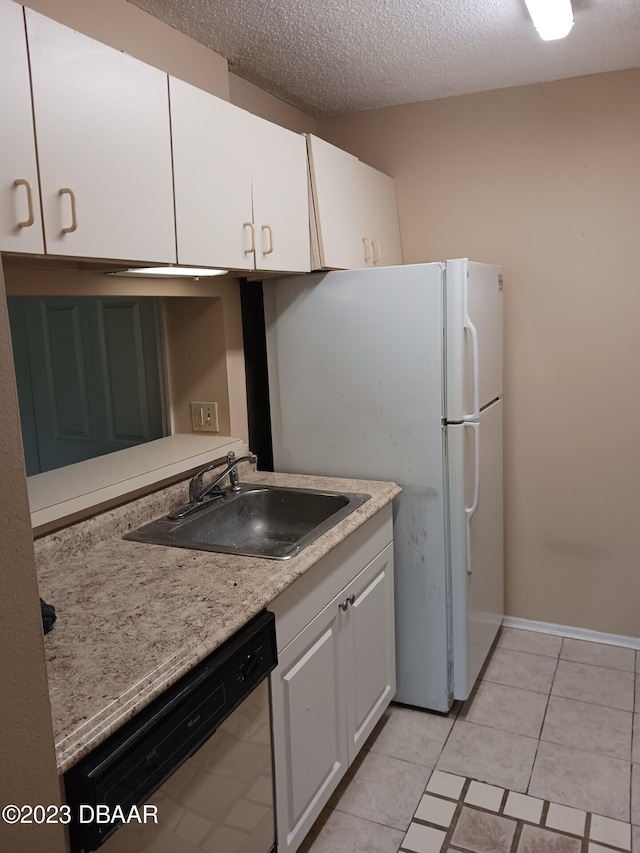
{"points": [[395, 373]]}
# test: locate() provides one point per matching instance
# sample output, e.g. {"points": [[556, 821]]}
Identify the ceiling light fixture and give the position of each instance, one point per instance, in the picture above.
{"points": [[552, 19], [170, 272]]}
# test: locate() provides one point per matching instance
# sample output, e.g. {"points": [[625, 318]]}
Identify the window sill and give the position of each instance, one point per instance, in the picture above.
{"points": [[58, 498]]}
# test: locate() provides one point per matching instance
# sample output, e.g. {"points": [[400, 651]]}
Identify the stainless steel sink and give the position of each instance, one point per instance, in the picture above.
{"points": [[257, 521]]}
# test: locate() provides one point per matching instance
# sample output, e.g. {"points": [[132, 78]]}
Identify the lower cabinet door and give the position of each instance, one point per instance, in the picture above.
{"points": [[369, 645], [310, 745]]}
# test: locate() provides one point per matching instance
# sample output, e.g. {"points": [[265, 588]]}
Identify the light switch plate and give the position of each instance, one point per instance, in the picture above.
{"points": [[204, 417]]}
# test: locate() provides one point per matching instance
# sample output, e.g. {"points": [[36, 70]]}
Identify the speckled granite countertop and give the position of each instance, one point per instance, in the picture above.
{"points": [[133, 618]]}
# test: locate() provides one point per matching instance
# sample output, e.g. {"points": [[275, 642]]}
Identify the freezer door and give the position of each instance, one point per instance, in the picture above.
{"points": [[474, 465], [473, 330]]}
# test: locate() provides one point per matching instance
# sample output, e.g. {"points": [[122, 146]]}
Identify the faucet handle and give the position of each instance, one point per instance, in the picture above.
{"points": [[231, 457]]}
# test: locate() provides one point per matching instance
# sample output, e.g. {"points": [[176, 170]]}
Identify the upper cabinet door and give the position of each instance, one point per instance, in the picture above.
{"points": [[339, 209], [381, 216], [212, 173], [355, 210], [280, 196], [20, 222], [102, 125]]}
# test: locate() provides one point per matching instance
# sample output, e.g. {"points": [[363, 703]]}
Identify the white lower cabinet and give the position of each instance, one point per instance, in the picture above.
{"points": [[369, 646], [308, 691], [334, 678]]}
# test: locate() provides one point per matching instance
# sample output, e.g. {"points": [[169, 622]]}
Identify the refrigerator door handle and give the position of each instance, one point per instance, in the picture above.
{"points": [[470, 510], [473, 332]]}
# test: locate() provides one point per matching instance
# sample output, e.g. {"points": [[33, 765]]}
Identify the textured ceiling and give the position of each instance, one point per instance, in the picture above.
{"points": [[335, 56]]}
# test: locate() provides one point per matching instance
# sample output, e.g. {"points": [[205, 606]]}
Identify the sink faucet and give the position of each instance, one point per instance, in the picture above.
{"points": [[199, 494], [197, 489]]}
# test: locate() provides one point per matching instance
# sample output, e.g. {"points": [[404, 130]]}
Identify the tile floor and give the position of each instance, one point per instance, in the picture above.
{"points": [[551, 719]]}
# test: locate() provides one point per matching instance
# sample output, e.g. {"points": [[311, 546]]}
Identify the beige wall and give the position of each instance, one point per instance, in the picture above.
{"points": [[27, 760], [255, 100], [544, 179]]}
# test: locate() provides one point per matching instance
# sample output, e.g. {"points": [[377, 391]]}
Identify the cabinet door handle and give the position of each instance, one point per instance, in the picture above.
{"points": [[252, 247], [74, 220], [367, 248], [376, 255], [349, 600], [20, 182], [270, 249]]}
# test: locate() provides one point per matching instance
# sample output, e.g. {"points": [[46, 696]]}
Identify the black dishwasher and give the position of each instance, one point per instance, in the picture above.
{"points": [[149, 750]]}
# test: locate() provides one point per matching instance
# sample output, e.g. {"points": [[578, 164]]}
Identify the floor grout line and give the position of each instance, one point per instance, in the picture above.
{"points": [[559, 657], [544, 718], [520, 823], [559, 695]]}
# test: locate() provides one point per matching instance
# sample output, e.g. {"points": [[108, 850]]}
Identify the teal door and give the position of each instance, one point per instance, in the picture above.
{"points": [[89, 376]]}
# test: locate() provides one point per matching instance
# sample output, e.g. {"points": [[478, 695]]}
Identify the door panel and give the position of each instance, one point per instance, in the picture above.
{"points": [[340, 212], [382, 226], [212, 170], [126, 354], [370, 648], [310, 746], [477, 546], [62, 374], [17, 142], [89, 376], [23, 382], [280, 196], [102, 124]]}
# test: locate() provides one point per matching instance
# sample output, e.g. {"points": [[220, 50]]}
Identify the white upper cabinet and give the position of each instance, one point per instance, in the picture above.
{"points": [[240, 186], [355, 210], [280, 196], [214, 209], [108, 171], [382, 226], [20, 222], [104, 147]]}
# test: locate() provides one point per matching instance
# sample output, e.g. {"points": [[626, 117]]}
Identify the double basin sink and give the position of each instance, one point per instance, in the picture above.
{"points": [[256, 521]]}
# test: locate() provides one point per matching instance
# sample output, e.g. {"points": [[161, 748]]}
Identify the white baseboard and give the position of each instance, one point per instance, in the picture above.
{"points": [[572, 633]]}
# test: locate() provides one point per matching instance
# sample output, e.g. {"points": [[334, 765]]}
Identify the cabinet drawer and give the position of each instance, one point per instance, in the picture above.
{"points": [[303, 600]]}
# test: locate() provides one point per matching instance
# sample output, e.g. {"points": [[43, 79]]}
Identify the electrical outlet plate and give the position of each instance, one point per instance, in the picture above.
{"points": [[204, 417]]}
